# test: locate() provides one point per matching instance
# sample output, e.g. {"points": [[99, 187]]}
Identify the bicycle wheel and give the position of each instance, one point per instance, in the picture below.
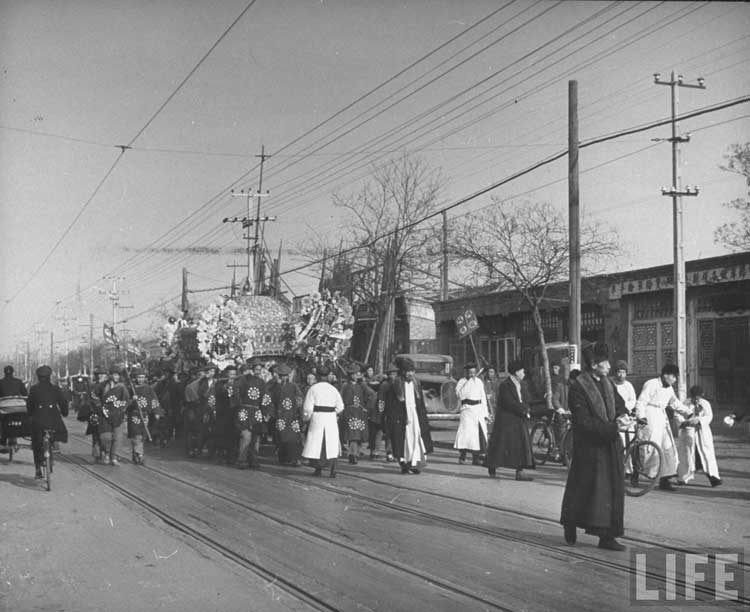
{"points": [[566, 448], [646, 459], [540, 443]]}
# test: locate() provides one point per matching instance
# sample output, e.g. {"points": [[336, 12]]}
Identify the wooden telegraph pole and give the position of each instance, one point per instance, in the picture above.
{"points": [[574, 227]]}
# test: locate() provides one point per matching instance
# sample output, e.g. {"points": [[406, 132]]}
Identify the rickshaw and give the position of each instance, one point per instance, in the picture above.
{"points": [[14, 422]]}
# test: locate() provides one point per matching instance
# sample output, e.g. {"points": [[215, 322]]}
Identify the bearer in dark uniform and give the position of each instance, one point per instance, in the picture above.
{"points": [[10, 386], [287, 403], [144, 408], [45, 406], [357, 396], [115, 398], [254, 406]]}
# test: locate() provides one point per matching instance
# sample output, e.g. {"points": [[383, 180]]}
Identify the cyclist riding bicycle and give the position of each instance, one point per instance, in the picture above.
{"points": [[45, 406]]}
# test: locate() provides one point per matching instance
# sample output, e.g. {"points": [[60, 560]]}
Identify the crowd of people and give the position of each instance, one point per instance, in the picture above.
{"points": [[226, 415]]}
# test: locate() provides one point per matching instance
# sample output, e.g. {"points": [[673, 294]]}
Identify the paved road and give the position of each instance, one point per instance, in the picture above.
{"points": [[372, 539]]}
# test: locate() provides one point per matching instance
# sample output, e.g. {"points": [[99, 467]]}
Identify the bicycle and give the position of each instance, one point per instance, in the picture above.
{"points": [[47, 445], [543, 439], [643, 458]]}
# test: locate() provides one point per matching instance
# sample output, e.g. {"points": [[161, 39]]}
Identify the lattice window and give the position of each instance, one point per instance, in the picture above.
{"points": [[653, 307], [644, 348], [667, 334], [706, 341], [592, 320]]}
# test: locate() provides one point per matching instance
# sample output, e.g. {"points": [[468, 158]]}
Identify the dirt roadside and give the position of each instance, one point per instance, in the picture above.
{"points": [[80, 548]]}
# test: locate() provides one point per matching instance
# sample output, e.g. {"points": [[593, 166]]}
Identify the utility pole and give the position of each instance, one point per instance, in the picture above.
{"points": [[574, 228], [444, 270], [676, 193], [184, 303], [91, 345], [52, 350], [114, 296]]}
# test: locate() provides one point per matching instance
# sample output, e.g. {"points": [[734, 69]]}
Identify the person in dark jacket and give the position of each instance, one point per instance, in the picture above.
{"points": [[594, 497], [10, 385], [45, 405], [510, 444], [406, 418]]}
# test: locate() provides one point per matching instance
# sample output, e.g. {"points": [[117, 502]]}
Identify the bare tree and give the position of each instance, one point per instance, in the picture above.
{"points": [[524, 247], [385, 249], [735, 235]]}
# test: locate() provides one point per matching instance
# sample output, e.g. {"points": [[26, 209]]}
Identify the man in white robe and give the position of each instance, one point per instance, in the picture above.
{"points": [[695, 437], [322, 405], [472, 425], [656, 396]]}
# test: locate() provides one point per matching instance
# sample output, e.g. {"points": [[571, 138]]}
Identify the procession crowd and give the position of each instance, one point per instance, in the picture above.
{"points": [[225, 415]]}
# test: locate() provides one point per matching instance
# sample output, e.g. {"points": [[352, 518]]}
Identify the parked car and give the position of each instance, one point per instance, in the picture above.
{"points": [[435, 373]]}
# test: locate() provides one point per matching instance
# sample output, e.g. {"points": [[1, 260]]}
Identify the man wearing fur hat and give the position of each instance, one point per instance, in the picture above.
{"points": [[510, 444], [321, 406], [406, 416], [471, 435], [45, 404], [656, 396], [594, 497], [115, 398]]}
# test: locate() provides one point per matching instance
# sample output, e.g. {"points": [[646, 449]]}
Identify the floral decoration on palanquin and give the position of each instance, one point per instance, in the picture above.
{"points": [[323, 329]]}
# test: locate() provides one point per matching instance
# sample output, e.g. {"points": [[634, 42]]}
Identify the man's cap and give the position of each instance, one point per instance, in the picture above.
{"points": [[391, 367], [44, 371], [323, 370], [596, 353], [515, 365], [283, 370], [137, 372], [405, 364], [115, 370], [621, 365], [469, 365], [670, 368], [254, 361]]}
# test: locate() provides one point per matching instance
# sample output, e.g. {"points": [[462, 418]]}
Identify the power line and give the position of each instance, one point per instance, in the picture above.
{"points": [[526, 171]]}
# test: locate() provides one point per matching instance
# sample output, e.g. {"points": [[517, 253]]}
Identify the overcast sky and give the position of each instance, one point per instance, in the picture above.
{"points": [[80, 77]]}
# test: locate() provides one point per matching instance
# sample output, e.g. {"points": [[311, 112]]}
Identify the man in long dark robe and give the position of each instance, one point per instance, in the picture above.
{"points": [[510, 445], [45, 406], [406, 417], [594, 497]]}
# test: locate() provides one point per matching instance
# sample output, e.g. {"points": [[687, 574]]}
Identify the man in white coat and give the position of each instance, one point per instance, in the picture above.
{"points": [[472, 425], [322, 405], [695, 437], [656, 396]]}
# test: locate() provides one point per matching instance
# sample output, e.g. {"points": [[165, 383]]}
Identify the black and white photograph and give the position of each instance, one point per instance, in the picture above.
{"points": [[374, 305]]}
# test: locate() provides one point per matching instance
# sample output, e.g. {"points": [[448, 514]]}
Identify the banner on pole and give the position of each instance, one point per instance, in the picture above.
{"points": [[466, 323], [110, 336]]}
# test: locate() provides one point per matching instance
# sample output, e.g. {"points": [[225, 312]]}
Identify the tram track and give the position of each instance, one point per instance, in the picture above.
{"points": [[437, 519], [242, 560]]}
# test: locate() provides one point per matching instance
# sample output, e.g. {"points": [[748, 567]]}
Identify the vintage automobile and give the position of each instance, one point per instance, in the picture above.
{"points": [[438, 384]]}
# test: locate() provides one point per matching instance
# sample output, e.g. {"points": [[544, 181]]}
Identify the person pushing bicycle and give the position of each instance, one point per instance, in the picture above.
{"points": [[45, 406]]}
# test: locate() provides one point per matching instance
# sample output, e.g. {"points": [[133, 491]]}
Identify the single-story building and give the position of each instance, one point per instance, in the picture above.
{"points": [[633, 312]]}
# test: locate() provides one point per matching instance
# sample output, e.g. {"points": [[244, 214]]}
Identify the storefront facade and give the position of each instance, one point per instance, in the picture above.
{"points": [[633, 313]]}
